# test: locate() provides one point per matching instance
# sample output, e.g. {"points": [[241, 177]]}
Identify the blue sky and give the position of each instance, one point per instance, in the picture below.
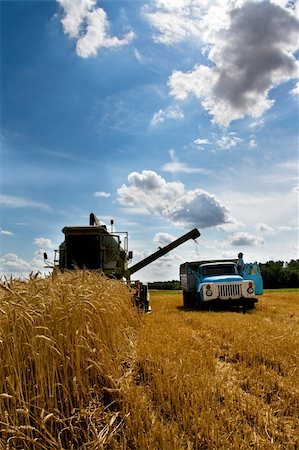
{"points": [[163, 115]]}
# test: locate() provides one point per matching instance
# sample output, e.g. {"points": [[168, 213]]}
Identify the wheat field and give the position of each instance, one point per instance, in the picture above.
{"points": [[81, 368]]}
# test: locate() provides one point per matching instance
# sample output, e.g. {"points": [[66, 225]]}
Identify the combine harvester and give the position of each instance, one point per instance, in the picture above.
{"points": [[93, 247]]}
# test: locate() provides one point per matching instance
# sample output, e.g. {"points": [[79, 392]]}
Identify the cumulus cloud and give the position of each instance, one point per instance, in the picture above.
{"points": [[101, 194], [43, 242], [12, 265], [90, 26], [150, 190], [247, 45], [198, 207], [194, 208], [244, 239], [172, 113]]}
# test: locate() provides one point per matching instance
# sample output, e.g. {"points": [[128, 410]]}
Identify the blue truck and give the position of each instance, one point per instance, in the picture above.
{"points": [[218, 283]]}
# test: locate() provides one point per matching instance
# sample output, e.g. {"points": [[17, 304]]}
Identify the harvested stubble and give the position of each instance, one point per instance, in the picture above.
{"points": [[67, 346], [81, 369]]}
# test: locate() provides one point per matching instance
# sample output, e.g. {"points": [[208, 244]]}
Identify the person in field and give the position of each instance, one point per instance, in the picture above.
{"points": [[240, 263]]}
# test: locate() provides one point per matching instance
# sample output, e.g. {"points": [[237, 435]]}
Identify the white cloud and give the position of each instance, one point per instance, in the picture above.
{"points": [[201, 142], [194, 208], [257, 124], [265, 227], [90, 26], [286, 228], [295, 90], [11, 265], [173, 21], [43, 243], [149, 190], [138, 55], [244, 239], [172, 113], [18, 202], [175, 166], [163, 239], [6, 232], [252, 143], [246, 43], [101, 194], [232, 226], [290, 165], [197, 208], [229, 141]]}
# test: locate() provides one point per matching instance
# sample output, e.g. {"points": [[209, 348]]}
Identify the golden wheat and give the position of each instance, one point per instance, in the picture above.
{"points": [[82, 369], [66, 343]]}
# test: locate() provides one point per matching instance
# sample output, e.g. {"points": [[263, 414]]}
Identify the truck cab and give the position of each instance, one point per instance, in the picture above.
{"points": [[209, 283]]}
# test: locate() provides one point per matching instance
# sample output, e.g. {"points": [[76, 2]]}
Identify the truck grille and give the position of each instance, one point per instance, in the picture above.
{"points": [[229, 290]]}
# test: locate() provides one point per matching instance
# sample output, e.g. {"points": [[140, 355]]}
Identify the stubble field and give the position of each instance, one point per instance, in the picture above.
{"points": [[81, 369]]}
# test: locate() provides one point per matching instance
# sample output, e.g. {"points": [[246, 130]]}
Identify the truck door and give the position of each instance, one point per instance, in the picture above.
{"points": [[252, 272]]}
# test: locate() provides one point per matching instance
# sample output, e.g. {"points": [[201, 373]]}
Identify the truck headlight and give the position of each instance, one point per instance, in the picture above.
{"points": [[250, 288], [209, 292]]}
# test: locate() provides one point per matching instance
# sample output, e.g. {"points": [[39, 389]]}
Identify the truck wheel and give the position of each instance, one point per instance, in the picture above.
{"points": [[249, 306], [187, 300]]}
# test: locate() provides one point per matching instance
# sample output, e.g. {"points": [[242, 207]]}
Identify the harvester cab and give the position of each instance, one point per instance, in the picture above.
{"points": [[93, 247]]}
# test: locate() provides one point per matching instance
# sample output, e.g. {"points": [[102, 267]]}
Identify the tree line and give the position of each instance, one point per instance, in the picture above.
{"points": [[276, 275]]}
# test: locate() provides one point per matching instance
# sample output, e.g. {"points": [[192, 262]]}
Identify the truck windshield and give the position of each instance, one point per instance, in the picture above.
{"points": [[219, 269]]}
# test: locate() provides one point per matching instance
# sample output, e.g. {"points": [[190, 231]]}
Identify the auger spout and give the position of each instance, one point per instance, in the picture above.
{"points": [[193, 234]]}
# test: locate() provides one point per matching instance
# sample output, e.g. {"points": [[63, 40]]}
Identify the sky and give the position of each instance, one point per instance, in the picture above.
{"points": [[163, 115]]}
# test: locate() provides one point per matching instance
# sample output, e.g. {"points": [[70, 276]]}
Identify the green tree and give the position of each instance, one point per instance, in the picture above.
{"points": [[277, 274]]}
